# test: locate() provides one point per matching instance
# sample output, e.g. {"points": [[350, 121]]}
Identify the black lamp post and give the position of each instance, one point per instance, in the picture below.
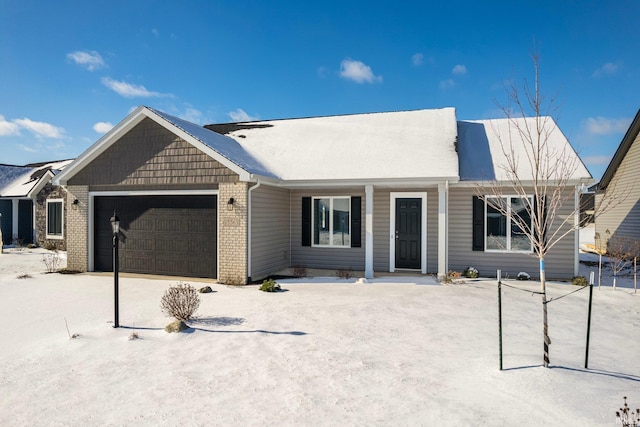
{"points": [[115, 227]]}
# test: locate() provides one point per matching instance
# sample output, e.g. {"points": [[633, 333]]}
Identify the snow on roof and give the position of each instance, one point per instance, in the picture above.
{"points": [[480, 148], [223, 145], [393, 145], [19, 181]]}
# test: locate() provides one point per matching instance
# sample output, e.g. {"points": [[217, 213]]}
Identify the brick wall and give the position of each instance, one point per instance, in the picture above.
{"points": [[232, 234], [77, 231]]}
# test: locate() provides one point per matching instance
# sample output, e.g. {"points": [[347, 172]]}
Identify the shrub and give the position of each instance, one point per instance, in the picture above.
{"points": [[344, 273], [454, 274], [627, 417], [180, 301], [299, 271], [579, 281], [270, 285], [471, 273], [523, 275], [51, 261]]}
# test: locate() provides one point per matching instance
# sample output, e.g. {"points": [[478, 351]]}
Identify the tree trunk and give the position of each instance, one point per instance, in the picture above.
{"points": [[545, 328]]}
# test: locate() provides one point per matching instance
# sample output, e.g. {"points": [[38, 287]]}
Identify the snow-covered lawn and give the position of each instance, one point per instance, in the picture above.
{"points": [[397, 351]]}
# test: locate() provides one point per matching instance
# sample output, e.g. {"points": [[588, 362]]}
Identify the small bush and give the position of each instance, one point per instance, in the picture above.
{"points": [[51, 261], [270, 285], [627, 417], [344, 273], [471, 273], [523, 275], [299, 271], [454, 274], [580, 281], [180, 301]]}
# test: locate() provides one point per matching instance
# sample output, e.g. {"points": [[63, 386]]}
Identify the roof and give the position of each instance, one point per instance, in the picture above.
{"points": [[23, 181], [376, 146], [481, 153], [621, 152]]}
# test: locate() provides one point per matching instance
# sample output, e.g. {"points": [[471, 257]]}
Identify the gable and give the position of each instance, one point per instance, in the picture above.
{"points": [[149, 154]]}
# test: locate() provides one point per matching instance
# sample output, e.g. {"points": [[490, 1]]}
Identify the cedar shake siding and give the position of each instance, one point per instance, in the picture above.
{"points": [[150, 157], [558, 262]]}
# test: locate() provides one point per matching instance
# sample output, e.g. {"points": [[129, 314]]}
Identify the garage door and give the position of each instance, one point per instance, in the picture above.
{"points": [[168, 235]]}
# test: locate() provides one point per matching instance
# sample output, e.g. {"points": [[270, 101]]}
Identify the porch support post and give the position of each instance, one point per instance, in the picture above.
{"points": [[576, 233], [368, 242], [14, 225], [443, 232]]}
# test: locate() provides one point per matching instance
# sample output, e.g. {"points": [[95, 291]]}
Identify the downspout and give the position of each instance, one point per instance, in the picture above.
{"points": [[249, 226]]}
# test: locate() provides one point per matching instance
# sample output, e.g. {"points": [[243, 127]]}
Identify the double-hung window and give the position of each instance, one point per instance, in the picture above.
{"points": [[507, 219], [55, 221], [331, 221]]}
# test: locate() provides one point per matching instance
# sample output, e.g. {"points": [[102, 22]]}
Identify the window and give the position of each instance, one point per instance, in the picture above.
{"points": [[54, 219], [331, 221], [502, 231]]}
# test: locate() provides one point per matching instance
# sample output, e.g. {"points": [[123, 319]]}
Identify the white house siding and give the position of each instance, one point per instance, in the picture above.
{"points": [[622, 219], [329, 258], [559, 263], [270, 231]]}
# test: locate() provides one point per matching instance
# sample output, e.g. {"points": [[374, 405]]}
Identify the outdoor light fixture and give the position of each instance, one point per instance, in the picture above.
{"points": [[230, 204], [115, 227], [75, 204]]}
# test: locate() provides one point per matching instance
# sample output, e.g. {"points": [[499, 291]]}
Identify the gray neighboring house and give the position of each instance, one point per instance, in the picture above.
{"points": [[32, 208], [379, 192], [619, 184]]}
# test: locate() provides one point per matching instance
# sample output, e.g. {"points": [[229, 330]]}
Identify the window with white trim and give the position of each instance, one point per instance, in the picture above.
{"points": [[502, 231], [55, 221], [331, 221]]}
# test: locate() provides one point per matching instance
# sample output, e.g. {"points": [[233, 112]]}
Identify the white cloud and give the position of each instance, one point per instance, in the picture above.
{"points": [[241, 116], [192, 115], [607, 69], [40, 129], [358, 72], [459, 70], [417, 59], [8, 128], [447, 84], [103, 127], [604, 126], [129, 90], [90, 60], [155, 32], [597, 160]]}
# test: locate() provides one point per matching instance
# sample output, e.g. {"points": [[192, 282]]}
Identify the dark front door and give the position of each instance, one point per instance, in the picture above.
{"points": [[167, 235], [408, 233]]}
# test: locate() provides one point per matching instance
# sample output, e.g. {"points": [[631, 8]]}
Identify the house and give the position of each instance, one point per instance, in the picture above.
{"points": [[31, 207], [618, 193], [378, 192]]}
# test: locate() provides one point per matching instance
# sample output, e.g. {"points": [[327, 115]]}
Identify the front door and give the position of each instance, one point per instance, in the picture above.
{"points": [[408, 233]]}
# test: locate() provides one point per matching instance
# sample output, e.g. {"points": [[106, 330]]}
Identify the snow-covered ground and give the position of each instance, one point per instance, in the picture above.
{"points": [[404, 351]]}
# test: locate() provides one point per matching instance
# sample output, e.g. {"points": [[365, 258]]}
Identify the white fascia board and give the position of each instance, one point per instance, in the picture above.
{"points": [[44, 179], [377, 182], [486, 184]]}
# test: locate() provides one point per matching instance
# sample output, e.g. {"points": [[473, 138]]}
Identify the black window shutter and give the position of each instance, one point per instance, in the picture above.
{"points": [[356, 221], [306, 221], [544, 215], [478, 224]]}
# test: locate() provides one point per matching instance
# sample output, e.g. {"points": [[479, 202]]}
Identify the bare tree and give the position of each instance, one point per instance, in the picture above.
{"points": [[541, 175]]}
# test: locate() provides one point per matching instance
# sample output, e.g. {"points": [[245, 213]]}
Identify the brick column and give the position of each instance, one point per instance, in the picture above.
{"points": [[232, 233], [77, 232]]}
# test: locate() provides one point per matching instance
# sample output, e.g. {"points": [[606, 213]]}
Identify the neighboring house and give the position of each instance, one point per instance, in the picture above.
{"points": [[32, 208], [379, 192], [618, 192]]}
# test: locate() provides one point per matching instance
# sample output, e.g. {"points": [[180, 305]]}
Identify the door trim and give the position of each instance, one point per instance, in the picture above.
{"points": [[392, 226]]}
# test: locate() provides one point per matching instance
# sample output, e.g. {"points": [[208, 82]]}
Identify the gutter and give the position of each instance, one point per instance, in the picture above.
{"points": [[249, 226]]}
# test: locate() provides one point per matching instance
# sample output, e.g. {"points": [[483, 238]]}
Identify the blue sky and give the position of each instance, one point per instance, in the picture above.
{"points": [[69, 70]]}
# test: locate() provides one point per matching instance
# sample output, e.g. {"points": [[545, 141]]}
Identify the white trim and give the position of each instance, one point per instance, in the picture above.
{"points": [[443, 229], [249, 226], [331, 227], [392, 226], [507, 250], [368, 240], [576, 231], [91, 213], [46, 230]]}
